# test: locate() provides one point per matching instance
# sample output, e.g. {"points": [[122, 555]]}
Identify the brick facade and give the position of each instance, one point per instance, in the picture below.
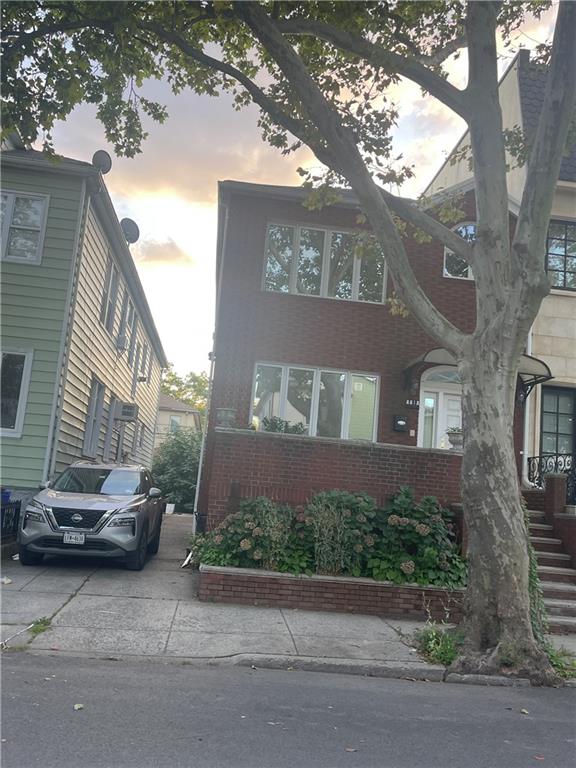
{"points": [[255, 325], [325, 593]]}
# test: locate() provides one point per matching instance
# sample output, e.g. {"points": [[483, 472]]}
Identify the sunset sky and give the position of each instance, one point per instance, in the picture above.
{"points": [[170, 189]]}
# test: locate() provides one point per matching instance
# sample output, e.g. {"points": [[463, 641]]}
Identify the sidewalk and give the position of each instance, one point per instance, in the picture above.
{"points": [[99, 609]]}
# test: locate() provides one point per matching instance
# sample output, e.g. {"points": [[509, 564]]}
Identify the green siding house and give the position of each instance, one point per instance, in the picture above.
{"points": [[81, 357]]}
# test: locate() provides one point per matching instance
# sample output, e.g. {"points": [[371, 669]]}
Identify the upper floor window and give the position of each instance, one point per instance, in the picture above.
{"points": [[15, 377], [126, 322], [321, 262], [455, 266], [315, 401], [23, 224], [561, 254], [110, 296]]}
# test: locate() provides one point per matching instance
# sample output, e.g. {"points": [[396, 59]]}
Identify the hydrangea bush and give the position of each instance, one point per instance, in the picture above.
{"points": [[340, 533]]}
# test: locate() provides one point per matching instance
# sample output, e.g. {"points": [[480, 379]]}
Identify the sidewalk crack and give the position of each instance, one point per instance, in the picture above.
{"points": [[289, 632], [170, 628]]}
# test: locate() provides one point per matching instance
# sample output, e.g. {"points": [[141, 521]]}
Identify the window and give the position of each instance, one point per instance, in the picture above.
{"points": [[144, 362], [94, 418], [110, 296], [136, 370], [133, 334], [454, 266], [558, 421], [561, 255], [113, 482], [325, 403], [126, 323], [15, 377], [110, 428], [23, 225], [319, 262], [175, 424]]}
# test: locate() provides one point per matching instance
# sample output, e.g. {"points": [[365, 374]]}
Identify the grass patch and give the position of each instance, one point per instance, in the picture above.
{"points": [[562, 660], [39, 626], [438, 644]]}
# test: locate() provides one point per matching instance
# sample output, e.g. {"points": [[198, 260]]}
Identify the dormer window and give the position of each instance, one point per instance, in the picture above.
{"points": [[561, 255], [313, 261]]}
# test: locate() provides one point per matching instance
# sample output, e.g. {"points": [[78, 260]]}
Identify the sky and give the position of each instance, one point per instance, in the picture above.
{"points": [[170, 189]]}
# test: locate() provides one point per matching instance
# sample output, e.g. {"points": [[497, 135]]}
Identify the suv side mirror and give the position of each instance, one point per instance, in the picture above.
{"points": [[154, 493], [45, 485]]}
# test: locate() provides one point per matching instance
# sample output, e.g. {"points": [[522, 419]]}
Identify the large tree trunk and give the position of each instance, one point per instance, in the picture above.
{"points": [[498, 631]]}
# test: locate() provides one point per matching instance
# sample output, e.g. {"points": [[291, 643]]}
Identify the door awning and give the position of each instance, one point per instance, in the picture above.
{"points": [[531, 370]]}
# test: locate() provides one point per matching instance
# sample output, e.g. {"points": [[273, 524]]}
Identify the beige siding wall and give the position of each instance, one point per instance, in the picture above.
{"points": [[94, 352], [187, 421]]}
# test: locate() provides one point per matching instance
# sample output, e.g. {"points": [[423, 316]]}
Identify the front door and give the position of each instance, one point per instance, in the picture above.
{"points": [[440, 411]]}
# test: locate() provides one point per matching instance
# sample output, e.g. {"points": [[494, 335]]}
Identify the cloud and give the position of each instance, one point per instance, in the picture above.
{"points": [[165, 253]]}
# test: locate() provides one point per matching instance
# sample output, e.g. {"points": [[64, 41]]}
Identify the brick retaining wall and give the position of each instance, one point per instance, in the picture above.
{"points": [[327, 593]]}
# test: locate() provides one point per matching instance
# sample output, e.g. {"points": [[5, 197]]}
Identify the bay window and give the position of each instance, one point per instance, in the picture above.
{"points": [[322, 402], [312, 261]]}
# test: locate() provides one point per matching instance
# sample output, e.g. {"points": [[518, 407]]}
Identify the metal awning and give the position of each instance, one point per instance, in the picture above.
{"points": [[531, 370]]}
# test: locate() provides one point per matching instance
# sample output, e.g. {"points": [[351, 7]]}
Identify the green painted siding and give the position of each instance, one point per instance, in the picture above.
{"points": [[93, 351], [33, 313]]}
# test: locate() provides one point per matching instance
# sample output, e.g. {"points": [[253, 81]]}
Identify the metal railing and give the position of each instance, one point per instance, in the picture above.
{"points": [[554, 464]]}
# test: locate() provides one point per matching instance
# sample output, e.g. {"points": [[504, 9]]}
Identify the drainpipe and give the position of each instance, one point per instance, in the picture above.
{"points": [[220, 251], [525, 440]]}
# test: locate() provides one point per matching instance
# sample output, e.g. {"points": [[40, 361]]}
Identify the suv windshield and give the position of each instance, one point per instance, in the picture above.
{"points": [[113, 482]]}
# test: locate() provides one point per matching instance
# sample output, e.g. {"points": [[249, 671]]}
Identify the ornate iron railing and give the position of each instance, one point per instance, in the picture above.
{"points": [[554, 464]]}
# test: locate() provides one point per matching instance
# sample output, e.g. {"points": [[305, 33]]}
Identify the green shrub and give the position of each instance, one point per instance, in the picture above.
{"points": [[276, 424], [416, 543], [175, 467], [341, 526], [340, 533]]}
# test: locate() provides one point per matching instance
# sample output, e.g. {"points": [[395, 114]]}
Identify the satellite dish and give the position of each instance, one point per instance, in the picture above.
{"points": [[130, 229], [102, 161]]}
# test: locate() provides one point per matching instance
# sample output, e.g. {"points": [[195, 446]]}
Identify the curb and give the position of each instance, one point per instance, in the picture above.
{"points": [[490, 680], [402, 670]]}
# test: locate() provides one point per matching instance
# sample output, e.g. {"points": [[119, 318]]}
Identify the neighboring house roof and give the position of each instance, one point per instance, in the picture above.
{"points": [[296, 194], [532, 84], [32, 159], [169, 403]]}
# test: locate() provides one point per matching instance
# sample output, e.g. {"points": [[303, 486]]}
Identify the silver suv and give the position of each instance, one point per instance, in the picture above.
{"points": [[94, 510]]}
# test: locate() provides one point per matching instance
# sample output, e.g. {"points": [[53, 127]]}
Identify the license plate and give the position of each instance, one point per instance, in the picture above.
{"points": [[73, 538]]}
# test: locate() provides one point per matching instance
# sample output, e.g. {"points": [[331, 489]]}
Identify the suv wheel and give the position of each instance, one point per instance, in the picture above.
{"points": [[154, 545], [29, 558], [137, 560]]}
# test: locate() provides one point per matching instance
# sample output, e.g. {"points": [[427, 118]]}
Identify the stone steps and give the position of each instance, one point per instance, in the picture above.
{"points": [[554, 559], [562, 625], [560, 608], [546, 544]]}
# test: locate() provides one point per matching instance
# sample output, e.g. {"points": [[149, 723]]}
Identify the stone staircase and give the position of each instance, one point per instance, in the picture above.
{"points": [[557, 576]]}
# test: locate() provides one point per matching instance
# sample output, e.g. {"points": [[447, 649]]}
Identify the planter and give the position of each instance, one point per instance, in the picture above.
{"points": [[328, 593], [456, 440]]}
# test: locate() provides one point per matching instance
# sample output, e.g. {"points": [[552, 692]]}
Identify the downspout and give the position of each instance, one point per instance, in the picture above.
{"points": [[62, 364], [220, 251]]}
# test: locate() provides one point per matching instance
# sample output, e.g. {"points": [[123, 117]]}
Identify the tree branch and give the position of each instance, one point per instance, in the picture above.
{"points": [[377, 56]]}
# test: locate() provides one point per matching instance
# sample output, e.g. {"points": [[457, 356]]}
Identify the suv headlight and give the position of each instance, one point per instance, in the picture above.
{"points": [[123, 522], [35, 511]]}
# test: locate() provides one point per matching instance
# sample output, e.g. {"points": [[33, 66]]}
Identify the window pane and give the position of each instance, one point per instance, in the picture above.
{"points": [[279, 246], [565, 424], [341, 265], [556, 229], [550, 401], [12, 372], [266, 393], [556, 262], [362, 407], [3, 205], [23, 243], [549, 422], [570, 280], [448, 376], [371, 274], [556, 279], [310, 261], [467, 231], [548, 443], [564, 443], [331, 403], [565, 403], [454, 266], [175, 422], [299, 396], [429, 417], [28, 212]]}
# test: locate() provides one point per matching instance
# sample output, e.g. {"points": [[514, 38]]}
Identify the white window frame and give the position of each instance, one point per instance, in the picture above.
{"points": [[7, 224], [325, 274], [317, 373], [469, 276], [94, 418], [111, 289], [28, 355]]}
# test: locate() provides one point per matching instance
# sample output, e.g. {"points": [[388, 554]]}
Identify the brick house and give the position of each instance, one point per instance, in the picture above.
{"points": [[303, 336]]}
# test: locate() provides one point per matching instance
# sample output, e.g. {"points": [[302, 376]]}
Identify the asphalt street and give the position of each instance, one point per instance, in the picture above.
{"points": [[149, 714]]}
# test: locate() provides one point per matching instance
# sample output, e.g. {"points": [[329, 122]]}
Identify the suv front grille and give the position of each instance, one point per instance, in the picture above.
{"points": [[90, 517]]}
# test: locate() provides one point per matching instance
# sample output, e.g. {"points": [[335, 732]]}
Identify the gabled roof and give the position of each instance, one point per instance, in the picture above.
{"points": [[169, 403], [532, 84]]}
